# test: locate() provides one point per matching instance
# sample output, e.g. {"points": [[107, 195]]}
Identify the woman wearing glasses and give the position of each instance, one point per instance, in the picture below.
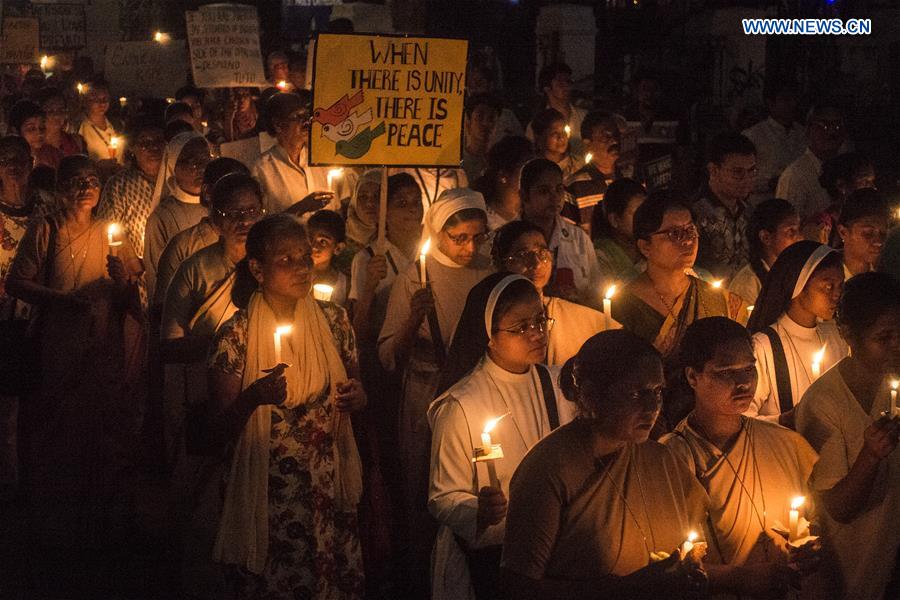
{"points": [[85, 413], [661, 302], [418, 328], [593, 505], [493, 371], [520, 247]]}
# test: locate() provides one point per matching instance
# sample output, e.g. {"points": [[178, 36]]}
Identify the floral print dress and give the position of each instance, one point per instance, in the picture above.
{"points": [[314, 550]]}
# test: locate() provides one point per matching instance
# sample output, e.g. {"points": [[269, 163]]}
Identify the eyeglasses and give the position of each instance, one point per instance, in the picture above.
{"points": [[542, 323], [740, 173], [82, 183], [527, 258], [242, 214], [648, 397], [298, 117], [677, 235], [464, 239]]}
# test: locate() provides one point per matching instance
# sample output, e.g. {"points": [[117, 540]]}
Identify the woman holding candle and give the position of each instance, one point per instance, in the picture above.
{"points": [[521, 247], [96, 130], [862, 228], [791, 323], [288, 525], [493, 370], [551, 141], [751, 469], [842, 417], [576, 273], [612, 230], [774, 225], [84, 417], [594, 502], [420, 323], [665, 299]]}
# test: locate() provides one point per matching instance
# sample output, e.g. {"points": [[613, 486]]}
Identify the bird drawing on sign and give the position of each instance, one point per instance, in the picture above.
{"points": [[339, 111], [360, 143], [347, 128]]}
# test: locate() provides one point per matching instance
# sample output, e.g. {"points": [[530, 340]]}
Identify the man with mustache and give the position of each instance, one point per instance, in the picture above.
{"points": [[602, 138]]}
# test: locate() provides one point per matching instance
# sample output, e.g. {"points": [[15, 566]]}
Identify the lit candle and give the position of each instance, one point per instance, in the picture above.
{"points": [[749, 310], [588, 158], [80, 87], [282, 85], [280, 331], [334, 174], [794, 518], [717, 284], [111, 232], [487, 447], [424, 252], [817, 363], [45, 63], [170, 100], [323, 292], [123, 101], [113, 146], [568, 130], [894, 385], [607, 306], [688, 544], [160, 38]]}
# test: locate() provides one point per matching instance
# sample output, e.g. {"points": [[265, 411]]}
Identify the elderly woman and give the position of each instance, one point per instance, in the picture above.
{"points": [[85, 414], [494, 371], [845, 416], [751, 469], [289, 522], [594, 504]]}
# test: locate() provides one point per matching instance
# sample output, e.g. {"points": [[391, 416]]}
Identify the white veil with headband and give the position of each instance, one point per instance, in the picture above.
{"points": [[165, 180], [448, 204]]}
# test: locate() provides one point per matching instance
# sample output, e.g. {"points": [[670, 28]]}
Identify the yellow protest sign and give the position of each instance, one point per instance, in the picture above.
{"points": [[387, 100]]}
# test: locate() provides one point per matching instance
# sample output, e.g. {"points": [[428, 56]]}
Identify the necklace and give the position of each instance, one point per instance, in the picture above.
{"points": [[629, 510], [669, 309], [105, 138], [76, 269]]}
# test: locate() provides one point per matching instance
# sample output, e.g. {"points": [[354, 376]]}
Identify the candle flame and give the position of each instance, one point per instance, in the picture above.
{"points": [[425, 247], [692, 537], [282, 330], [750, 308], [281, 85], [489, 426], [45, 61], [818, 356], [797, 502], [170, 100], [588, 158], [335, 173], [568, 130], [160, 37], [113, 142], [112, 230], [717, 283], [123, 100], [323, 287], [895, 384], [609, 292], [80, 87]]}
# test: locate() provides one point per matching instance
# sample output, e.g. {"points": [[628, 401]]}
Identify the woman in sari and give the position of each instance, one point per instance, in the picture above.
{"points": [[520, 247], [594, 504], [288, 526], [86, 413], [662, 302], [494, 371]]}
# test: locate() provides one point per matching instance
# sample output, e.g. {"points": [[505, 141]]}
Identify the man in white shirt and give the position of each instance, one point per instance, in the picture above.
{"points": [[283, 171], [799, 184], [779, 139]]}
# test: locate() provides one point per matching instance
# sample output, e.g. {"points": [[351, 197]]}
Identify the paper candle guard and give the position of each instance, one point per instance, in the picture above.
{"points": [[495, 452]]}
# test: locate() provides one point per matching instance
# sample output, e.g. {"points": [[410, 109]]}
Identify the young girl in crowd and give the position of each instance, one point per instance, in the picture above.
{"points": [[593, 504], [774, 225], [842, 415], [84, 417], [288, 525], [862, 229], [750, 469], [493, 371], [419, 326], [576, 274], [53, 103], [551, 141], [792, 328], [327, 235], [521, 247], [30, 121], [612, 229]]}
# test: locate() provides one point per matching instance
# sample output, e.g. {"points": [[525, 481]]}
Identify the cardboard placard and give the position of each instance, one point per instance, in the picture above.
{"points": [[20, 39], [224, 42], [63, 26], [388, 100], [146, 68]]}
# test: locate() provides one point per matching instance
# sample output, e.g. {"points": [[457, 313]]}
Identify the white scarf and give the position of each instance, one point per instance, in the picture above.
{"points": [[165, 180], [448, 204], [243, 536]]}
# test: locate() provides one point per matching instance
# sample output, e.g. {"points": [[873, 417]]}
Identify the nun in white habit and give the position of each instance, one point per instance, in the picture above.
{"points": [[792, 328], [493, 373]]}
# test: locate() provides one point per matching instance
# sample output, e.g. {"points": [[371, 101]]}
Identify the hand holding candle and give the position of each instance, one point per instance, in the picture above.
{"points": [[323, 292], [111, 232], [422, 255], [280, 331], [607, 307], [794, 518], [489, 452], [334, 175]]}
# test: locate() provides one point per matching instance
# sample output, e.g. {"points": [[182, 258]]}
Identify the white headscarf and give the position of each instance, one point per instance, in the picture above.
{"points": [[494, 297], [357, 229], [448, 204], [809, 266], [165, 180]]}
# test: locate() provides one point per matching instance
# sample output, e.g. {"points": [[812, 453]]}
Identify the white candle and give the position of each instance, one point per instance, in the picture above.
{"points": [[281, 330], [607, 307], [45, 63], [588, 158], [332, 175], [111, 232], [817, 363], [322, 291], [688, 544], [486, 440], [113, 146], [123, 101], [422, 255], [487, 447], [794, 518], [568, 130], [894, 385], [749, 310]]}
